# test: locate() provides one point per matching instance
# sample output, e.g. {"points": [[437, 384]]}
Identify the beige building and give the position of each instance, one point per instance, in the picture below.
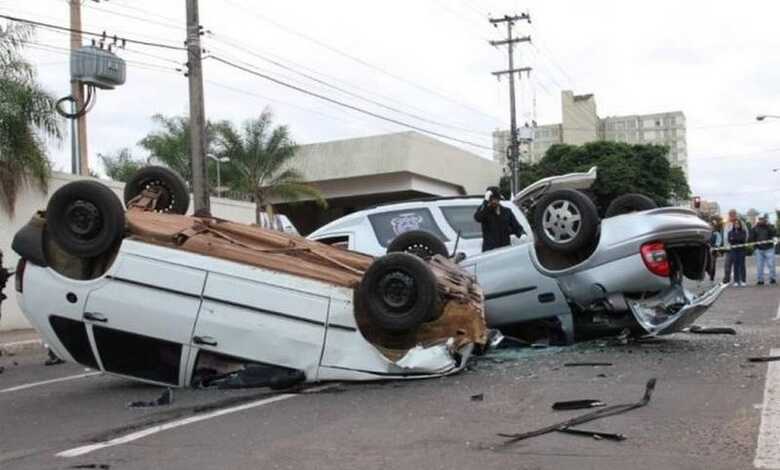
{"points": [[581, 124], [353, 174]]}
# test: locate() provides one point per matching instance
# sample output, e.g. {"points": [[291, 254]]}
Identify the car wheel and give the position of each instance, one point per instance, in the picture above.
{"points": [[174, 197], [627, 203], [419, 243], [566, 221], [398, 292], [85, 218]]}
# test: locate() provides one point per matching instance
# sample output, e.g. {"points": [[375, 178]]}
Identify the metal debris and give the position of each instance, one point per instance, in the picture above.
{"points": [[598, 435], [165, 399], [700, 330], [478, 397], [764, 359], [592, 416], [577, 404], [587, 364]]}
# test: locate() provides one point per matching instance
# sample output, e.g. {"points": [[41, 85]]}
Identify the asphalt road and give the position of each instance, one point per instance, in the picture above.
{"points": [[706, 411]]}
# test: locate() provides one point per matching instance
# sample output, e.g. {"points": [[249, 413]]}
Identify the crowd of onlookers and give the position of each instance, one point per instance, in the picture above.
{"points": [[736, 239]]}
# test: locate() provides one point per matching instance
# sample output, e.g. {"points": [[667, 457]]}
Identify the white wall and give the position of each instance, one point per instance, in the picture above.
{"points": [[31, 200]]}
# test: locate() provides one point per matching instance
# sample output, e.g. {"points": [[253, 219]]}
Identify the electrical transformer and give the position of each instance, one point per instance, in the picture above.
{"points": [[98, 67]]}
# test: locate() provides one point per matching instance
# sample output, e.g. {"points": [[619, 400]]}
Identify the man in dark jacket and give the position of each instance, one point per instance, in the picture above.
{"points": [[498, 223], [765, 252]]}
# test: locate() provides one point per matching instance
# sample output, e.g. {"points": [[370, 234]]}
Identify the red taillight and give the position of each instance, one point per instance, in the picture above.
{"points": [[19, 276], [654, 256]]}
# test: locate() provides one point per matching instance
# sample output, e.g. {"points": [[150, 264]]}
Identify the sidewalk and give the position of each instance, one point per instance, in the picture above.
{"points": [[19, 341]]}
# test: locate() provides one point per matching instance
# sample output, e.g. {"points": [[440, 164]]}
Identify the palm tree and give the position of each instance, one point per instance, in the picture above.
{"points": [[260, 162], [171, 144], [27, 118], [121, 166]]}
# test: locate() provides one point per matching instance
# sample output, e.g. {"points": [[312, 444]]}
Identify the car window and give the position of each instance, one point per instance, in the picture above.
{"points": [[388, 225], [338, 241], [461, 218]]}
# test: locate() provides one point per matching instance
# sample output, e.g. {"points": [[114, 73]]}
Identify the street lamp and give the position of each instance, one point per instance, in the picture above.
{"points": [[761, 117], [219, 161]]}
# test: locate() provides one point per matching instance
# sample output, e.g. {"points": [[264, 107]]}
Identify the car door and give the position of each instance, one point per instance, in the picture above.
{"points": [[264, 317], [142, 318]]}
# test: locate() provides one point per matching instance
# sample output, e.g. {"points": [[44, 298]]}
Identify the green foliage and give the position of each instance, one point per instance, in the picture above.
{"points": [[260, 156], [121, 166], [623, 168], [171, 144], [27, 119]]}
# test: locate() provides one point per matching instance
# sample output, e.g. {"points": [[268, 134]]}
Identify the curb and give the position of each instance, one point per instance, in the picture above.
{"points": [[18, 347]]}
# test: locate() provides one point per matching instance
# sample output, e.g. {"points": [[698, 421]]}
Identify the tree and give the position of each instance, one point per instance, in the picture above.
{"points": [[623, 168], [121, 166], [260, 157], [171, 144], [27, 119]]}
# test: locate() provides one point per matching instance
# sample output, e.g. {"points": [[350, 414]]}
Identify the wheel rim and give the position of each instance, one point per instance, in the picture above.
{"points": [[421, 250], [561, 221], [397, 290], [166, 201], [83, 219]]}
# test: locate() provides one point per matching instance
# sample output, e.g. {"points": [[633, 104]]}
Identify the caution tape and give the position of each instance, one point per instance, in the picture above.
{"points": [[773, 241]]}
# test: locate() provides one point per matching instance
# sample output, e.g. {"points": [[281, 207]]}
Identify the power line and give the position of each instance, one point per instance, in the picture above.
{"points": [[356, 95], [347, 105], [168, 25], [363, 62], [91, 33]]}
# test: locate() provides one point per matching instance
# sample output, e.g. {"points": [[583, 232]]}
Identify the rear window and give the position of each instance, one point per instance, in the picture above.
{"points": [[461, 219], [389, 225]]}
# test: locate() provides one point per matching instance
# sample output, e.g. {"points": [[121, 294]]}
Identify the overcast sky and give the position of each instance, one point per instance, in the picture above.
{"points": [[718, 64]]}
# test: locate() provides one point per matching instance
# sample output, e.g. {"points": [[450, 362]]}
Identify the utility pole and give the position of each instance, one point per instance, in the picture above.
{"points": [[77, 91], [200, 189], [510, 41]]}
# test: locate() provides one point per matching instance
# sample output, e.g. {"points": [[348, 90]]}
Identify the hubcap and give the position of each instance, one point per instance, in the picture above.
{"points": [[561, 221], [420, 250], [83, 218], [397, 290], [166, 200]]}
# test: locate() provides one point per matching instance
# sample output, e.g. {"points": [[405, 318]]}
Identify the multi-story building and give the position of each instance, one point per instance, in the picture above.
{"points": [[581, 124]]}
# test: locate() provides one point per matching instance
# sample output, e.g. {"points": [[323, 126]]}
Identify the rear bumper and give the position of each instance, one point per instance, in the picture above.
{"points": [[673, 309]]}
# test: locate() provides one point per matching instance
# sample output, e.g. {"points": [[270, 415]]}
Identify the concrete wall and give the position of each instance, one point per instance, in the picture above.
{"points": [[31, 200]]}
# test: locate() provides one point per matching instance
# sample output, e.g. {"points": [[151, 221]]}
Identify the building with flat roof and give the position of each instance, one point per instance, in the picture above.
{"points": [[581, 124], [353, 174]]}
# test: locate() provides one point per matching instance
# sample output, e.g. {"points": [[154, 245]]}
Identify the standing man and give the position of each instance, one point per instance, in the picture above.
{"points": [[498, 223], [728, 263], [765, 252]]}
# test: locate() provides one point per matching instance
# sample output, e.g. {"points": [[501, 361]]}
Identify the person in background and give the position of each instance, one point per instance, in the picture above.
{"points": [[716, 241], [765, 252], [728, 263], [737, 236], [498, 223]]}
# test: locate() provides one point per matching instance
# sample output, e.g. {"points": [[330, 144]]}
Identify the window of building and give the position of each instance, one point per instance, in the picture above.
{"points": [[657, 123]]}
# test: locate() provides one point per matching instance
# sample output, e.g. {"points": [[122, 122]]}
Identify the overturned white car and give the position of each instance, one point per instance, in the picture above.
{"points": [[161, 297]]}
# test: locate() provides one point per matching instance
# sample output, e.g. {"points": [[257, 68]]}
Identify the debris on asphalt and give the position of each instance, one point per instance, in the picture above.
{"points": [[598, 435], [715, 330], [592, 416], [2, 369], [577, 404], [587, 364], [478, 397], [165, 399], [764, 359], [53, 359], [101, 466]]}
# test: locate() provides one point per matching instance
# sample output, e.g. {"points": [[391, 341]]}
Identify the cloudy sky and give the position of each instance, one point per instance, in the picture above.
{"points": [[430, 59]]}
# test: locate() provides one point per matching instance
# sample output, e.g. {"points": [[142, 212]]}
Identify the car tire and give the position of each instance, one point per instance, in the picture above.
{"points": [[398, 292], [566, 221], [174, 196], [85, 218], [419, 243], [627, 203]]}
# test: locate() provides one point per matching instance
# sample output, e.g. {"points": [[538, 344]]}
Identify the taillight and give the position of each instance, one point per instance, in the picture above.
{"points": [[19, 276], [654, 256]]}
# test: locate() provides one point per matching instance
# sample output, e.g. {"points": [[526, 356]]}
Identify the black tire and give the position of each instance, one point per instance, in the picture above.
{"points": [[627, 203], [85, 218], [174, 197], [566, 221], [398, 293], [419, 243]]}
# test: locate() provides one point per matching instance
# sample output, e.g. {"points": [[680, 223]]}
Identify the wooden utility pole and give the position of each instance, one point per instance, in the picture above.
{"points": [[77, 90], [514, 145], [200, 187]]}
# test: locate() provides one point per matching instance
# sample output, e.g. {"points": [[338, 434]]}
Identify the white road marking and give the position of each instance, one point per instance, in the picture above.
{"points": [[768, 447], [777, 317], [46, 382], [77, 451], [16, 344]]}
